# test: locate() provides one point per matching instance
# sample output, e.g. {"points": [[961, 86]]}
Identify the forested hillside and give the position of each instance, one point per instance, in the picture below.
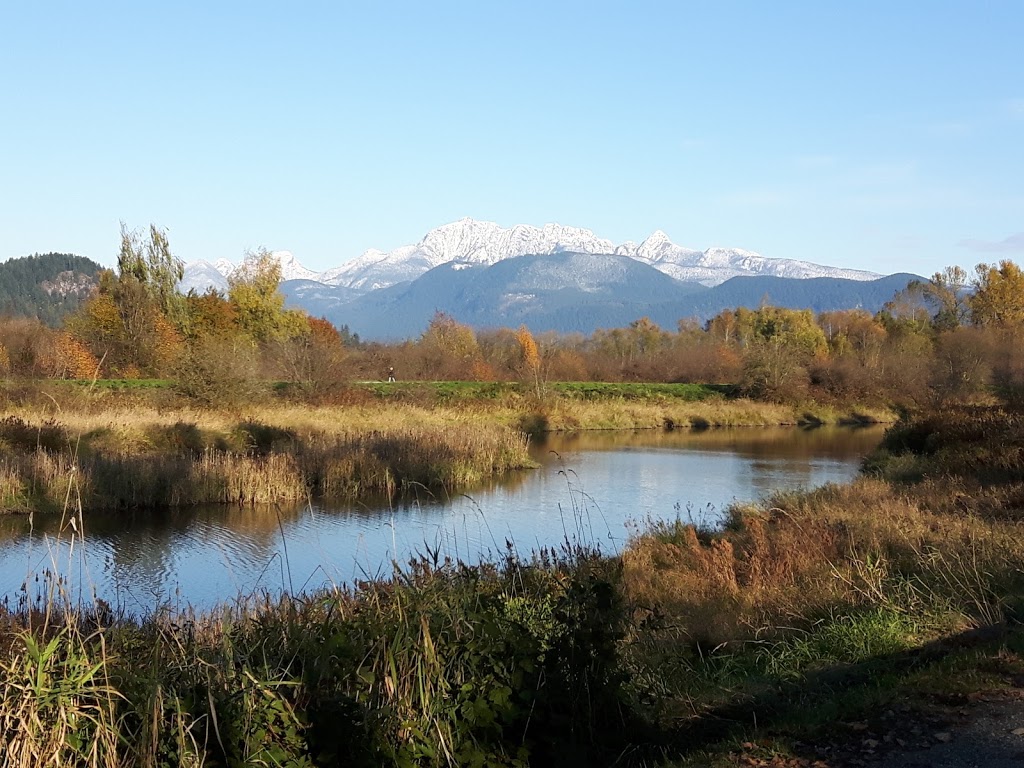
{"points": [[46, 286]]}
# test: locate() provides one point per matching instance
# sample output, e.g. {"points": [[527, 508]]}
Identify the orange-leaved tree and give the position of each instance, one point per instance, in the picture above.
{"points": [[531, 357]]}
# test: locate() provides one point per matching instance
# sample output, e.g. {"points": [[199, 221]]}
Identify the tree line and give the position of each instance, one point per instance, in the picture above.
{"points": [[951, 335]]}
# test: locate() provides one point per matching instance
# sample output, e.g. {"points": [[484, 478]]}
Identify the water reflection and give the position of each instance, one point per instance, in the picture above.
{"points": [[589, 488]]}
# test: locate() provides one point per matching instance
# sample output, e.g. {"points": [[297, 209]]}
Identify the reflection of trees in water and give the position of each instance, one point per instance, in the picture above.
{"points": [[748, 442], [139, 551], [764, 476]]}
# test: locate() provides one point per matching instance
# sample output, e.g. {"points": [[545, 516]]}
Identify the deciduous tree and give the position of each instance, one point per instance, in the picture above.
{"points": [[998, 297], [258, 305]]}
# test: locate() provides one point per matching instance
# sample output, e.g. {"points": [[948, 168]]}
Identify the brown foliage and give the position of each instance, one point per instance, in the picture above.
{"points": [[29, 346], [71, 359]]}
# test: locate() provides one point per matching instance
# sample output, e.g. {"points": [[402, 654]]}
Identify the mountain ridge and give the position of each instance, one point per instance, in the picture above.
{"points": [[482, 242], [544, 293], [554, 277]]}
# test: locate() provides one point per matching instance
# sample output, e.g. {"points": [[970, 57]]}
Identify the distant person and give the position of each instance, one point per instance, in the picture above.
{"points": [[391, 374]]}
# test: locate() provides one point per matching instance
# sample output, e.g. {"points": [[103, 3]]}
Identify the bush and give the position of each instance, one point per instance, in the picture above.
{"points": [[219, 373], [22, 436]]}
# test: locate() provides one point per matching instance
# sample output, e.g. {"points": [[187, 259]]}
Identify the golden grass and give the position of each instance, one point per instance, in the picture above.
{"points": [[800, 555], [146, 457], [144, 451], [568, 415], [128, 422]]}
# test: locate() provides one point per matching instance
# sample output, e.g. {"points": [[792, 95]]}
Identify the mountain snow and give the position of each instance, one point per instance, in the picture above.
{"points": [[291, 269], [468, 242], [200, 276]]}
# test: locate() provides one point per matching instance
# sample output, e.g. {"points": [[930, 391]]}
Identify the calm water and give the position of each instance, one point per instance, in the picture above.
{"points": [[594, 487]]}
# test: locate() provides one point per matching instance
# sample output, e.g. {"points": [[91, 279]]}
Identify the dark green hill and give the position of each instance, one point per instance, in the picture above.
{"points": [[46, 286]]}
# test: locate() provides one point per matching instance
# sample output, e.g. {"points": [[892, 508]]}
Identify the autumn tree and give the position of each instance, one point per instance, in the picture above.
{"points": [[998, 298], [853, 332], [449, 348], [530, 357], [69, 358], [210, 314], [783, 343], [148, 278], [698, 355], [500, 349], [907, 310], [258, 304], [733, 326], [962, 362], [28, 345], [314, 358], [136, 320], [947, 291]]}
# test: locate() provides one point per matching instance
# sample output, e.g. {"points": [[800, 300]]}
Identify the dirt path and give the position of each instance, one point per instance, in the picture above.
{"points": [[987, 732], [980, 730]]}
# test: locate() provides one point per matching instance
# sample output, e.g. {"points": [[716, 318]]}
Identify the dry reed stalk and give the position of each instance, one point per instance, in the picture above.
{"points": [[57, 706]]}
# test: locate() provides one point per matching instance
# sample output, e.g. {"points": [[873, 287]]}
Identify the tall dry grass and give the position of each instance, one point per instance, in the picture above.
{"points": [[441, 665], [801, 555], [155, 458], [837, 575]]}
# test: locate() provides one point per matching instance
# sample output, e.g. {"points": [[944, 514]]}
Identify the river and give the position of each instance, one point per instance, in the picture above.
{"points": [[593, 488]]}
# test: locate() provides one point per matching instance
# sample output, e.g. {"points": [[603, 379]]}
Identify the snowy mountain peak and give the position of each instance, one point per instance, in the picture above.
{"points": [[469, 241], [291, 269]]}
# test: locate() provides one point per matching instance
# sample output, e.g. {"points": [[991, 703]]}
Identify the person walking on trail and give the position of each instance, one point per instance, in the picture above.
{"points": [[391, 374]]}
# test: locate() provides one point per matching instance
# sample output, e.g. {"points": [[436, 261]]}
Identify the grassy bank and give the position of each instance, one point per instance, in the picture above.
{"points": [[144, 457], [834, 605], [692, 647], [558, 406], [508, 664]]}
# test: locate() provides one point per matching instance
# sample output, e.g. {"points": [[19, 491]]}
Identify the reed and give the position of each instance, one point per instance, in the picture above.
{"points": [[157, 459], [570, 415], [442, 664], [57, 704]]}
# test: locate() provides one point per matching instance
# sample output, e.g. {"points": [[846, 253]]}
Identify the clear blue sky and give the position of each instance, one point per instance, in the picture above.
{"points": [[879, 135]]}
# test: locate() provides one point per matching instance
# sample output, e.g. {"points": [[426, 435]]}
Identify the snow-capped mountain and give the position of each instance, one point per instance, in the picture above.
{"points": [[291, 269], [469, 241], [202, 275]]}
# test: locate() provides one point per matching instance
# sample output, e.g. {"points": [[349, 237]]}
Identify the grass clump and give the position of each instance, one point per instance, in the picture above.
{"points": [[508, 663]]}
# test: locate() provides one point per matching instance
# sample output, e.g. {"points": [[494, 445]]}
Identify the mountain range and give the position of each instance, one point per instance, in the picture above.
{"points": [[551, 278]]}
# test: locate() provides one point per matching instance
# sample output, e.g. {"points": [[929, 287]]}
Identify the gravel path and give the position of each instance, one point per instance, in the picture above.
{"points": [[987, 733], [982, 730]]}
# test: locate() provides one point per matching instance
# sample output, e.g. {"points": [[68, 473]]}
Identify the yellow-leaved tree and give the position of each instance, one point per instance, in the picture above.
{"points": [[136, 320], [531, 364], [257, 303], [998, 298]]}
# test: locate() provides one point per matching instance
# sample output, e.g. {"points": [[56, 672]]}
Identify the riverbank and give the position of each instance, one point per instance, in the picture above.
{"points": [[693, 647], [143, 447]]}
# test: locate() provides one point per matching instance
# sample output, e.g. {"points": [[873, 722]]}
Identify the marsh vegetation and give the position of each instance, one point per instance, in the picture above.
{"points": [[566, 657]]}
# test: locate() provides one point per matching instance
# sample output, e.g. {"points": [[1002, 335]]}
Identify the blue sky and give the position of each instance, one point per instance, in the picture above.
{"points": [[875, 135]]}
